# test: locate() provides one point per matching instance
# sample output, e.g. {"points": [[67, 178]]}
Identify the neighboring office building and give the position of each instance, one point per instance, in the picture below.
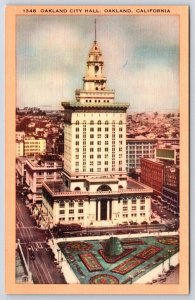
{"points": [[21, 169], [137, 148], [20, 135], [170, 197], [95, 190], [152, 174], [19, 148], [34, 145], [38, 170]]}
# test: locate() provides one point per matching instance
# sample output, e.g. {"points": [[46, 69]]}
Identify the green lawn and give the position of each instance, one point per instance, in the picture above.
{"points": [[87, 261]]}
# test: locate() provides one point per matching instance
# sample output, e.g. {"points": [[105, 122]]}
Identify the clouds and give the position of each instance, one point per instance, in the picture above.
{"points": [[140, 54]]}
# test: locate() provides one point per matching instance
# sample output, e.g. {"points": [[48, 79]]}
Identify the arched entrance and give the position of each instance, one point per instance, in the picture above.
{"points": [[104, 188], [103, 209]]}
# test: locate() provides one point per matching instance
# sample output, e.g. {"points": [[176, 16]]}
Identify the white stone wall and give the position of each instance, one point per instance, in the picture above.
{"points": [[96, 145]]}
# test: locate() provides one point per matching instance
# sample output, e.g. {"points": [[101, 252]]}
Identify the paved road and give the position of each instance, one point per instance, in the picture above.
{"points": [[43, 268], [164, 214]]}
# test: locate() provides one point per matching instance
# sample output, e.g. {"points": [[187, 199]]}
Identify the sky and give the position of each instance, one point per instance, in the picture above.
{"points": [[141, 59]]}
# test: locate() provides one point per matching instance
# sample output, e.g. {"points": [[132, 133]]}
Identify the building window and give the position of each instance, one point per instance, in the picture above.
{"points": [[91, 136], [99, 129], [91, 156], [71, 211], [71, 204], [76, 149], [77, 136], [62, 212], [106, 149], [134, 215], [80, 211], [142, 207], [61, 204], [91, 143], [106, 142], [99, 156], [91, 163], [71, 218], [99, 136], [99, 142], [125, 215], [125, 208], [98, 149], [106, 163], [106, 169], [133, 207], [99, 122], [91, 169], [98, 169], [91, 129], [142, 201], [106, 136], [106, 156], [99, 163], [91, 122], [120, 129], [77, 129], [77, 143], [80, 204], [91, 149], [106, 129], [125, 202]]}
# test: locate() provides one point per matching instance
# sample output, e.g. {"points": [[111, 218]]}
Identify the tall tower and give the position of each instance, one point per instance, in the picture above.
{"points": [[94, 132], [95, 190]]}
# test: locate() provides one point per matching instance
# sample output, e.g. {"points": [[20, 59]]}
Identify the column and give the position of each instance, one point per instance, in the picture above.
{"points": [[66, 210], [120, 210], [76, 210], [108, 210], [99, 217]]}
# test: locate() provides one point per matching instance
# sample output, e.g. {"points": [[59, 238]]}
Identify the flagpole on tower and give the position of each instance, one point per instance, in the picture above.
{"points": [[95, 31]]}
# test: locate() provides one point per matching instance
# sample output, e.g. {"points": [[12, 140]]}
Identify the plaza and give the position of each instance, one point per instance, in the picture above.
{"points": [[142, 259]]}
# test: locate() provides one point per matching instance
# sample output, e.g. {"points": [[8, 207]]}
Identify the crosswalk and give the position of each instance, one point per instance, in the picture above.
{"points": [[35, 246]]}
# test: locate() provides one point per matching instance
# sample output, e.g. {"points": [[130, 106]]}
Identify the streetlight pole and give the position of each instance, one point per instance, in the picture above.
{"points": [[163, 263], [169, 252], [58, 255]]}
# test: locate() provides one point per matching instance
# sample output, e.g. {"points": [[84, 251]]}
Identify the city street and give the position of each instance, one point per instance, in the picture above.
{"points": [[168, 217], [33, 241]]}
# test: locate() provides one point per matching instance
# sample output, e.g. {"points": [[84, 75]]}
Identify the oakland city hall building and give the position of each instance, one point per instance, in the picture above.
{"points": [[95, 189]]}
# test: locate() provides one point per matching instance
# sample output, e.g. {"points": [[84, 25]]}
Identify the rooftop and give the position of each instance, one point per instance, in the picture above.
{"points": [[57, 189], [91, 105]]}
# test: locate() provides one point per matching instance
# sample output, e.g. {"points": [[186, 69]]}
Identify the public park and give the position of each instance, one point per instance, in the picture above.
{"points": [[115, 260]]}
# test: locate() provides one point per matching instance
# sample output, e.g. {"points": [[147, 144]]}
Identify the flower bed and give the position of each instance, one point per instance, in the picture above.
{"points": [[128, 265], [113, 259], [127, 242], [90, 262], [171, 240], [103, 279], [78, 246], [148, 252]]}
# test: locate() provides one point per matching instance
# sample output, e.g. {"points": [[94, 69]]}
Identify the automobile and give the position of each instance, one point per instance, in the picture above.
{"points": [[31, 254]]}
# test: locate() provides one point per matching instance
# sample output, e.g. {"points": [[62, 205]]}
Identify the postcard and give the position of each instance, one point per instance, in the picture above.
{"points": [[97, 143]]}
